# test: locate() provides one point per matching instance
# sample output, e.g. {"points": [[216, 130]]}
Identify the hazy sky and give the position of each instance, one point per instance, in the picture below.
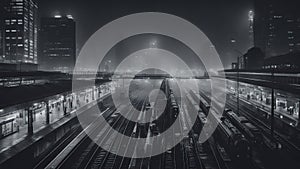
{"points": [[220, 20]]}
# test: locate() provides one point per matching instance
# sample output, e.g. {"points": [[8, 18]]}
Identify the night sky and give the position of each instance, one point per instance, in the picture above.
{"points": [[220, 20]]}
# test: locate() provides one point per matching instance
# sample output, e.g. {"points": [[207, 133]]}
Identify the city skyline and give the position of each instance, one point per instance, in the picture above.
{"points": [[232, 18], [149, 84], [259, 24], [57, 43]]}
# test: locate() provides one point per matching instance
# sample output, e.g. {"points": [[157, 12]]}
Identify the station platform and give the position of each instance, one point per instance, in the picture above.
{"points": [[17, 142], [285, 116], [20, 135]]}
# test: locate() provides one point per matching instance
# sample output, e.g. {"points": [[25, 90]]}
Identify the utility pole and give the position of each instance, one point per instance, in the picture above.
{"points": [[30, 120], [272, 104], [47, 112], [299, 110], [237, 77], [238, 85]]}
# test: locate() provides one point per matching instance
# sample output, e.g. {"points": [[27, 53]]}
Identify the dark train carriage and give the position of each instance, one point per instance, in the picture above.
{"points": [[251, 132], [233, 140]]}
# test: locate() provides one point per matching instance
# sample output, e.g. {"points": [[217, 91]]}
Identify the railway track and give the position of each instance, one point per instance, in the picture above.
{"points": [[188, 154], [79, 156], [97, 157], [209, 157], [255, 161], [284, 144], [87, 154], [169, 157], [191, 157], [266, 129], [55, 151]]}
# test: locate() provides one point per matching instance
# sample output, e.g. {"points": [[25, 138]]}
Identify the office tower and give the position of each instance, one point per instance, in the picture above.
{"points": [[58, 43], [20, 33], [276, 26]]}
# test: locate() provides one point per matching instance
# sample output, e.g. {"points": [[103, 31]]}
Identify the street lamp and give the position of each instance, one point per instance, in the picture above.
{"points": [[272, 102], [238, 81], [237, 76], [153, 44], [57, 16]]}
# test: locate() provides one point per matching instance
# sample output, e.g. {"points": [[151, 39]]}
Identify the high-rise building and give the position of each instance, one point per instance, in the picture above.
{"points": [[276, 26], [2, 13], [57, 43], [20, 33], [251, 31], [293, 31]]}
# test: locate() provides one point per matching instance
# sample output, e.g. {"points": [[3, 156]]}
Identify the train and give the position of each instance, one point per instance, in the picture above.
{"points": [[204, 105], [251, 132], [233, 140], [229, 136], [172, 109], [173, 106]]}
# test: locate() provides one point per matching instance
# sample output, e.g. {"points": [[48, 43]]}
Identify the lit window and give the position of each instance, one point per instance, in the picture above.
{"points": [[7, 22], [17, 7]]}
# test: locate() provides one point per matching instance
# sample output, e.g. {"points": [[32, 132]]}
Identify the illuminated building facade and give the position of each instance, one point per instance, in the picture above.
{"points": [[57, 43], [20, 33], [2, 38], [276, 26], [251, 32]]}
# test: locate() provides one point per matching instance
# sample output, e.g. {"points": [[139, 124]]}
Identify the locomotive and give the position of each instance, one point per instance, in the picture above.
{"points": [[172, 109], [251, 132], [233, 140], [229, 136]]}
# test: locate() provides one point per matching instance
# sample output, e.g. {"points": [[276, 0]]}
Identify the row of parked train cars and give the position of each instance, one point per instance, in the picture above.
{"points": [[235, 133], [171, 111]]}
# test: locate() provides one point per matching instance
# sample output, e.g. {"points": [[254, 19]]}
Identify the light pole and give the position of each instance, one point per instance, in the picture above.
{"points": [[153, 44], [238, 80], [272, 103]]}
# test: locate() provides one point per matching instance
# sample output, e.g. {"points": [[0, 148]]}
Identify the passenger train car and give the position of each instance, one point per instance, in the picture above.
{"points": [[251, 132], [233, 140], [229, 136]]}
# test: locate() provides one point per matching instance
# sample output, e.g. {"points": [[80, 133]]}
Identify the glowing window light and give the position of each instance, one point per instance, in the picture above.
{"points": [[69, 16]]}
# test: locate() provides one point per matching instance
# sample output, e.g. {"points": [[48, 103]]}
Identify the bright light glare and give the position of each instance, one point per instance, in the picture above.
{"points": [[251, 15], [57, 16], [69, 16], [153, 43]]}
